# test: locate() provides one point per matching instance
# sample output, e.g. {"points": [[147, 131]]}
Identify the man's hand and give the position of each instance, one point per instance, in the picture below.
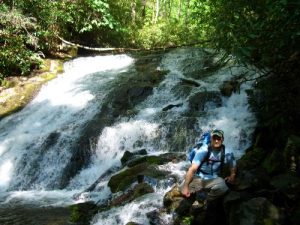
{"points": [[185, 191], [230, 179]]}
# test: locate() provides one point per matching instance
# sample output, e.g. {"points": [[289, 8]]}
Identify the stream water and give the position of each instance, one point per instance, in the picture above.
{"points": [[37, 144]]}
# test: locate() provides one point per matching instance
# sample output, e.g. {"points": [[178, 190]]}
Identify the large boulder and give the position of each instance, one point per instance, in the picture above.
{"points": [[82, 213], [137, 191], [258, 211], [121, 181], [157, 159], [128, 156]]}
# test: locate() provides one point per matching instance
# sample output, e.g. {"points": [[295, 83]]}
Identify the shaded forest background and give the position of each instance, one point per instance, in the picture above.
{"points": [[263, 33]]}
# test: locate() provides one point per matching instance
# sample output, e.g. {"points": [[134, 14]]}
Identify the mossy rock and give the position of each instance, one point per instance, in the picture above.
{"points": [[23, 90], [82, 213], [22, 96], [156, 159], [124, 179], [127, 156]]}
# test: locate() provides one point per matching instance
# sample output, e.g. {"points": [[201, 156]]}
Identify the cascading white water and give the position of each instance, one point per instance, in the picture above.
{"points": [[61, 108], [233, 117], [67, 102]]}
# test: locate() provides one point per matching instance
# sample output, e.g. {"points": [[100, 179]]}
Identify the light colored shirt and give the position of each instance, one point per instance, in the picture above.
{"points": [[211, 169]]}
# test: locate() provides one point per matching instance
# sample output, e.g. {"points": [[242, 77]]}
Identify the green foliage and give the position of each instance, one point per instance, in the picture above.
{"points": [[82, 16], [16, 41], [265, 34], [165, 34], [259, 32]]}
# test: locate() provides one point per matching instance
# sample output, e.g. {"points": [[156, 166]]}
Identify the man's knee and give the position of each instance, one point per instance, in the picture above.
{"points": [[220, 186]]}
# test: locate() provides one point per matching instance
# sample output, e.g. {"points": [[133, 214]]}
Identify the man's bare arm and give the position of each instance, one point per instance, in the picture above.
{"points": [[188, 179]]}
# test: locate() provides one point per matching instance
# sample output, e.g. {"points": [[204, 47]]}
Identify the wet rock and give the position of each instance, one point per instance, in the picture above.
{"points": [[82, 213], [137, 191], [124, 179], [181, 133], [127, 156], [104, 175], [197, 101], [189, 82], [171, 106], [138, 93], [50, 140], [157, 159], [229, 87], [158, 217], [174, 201], [172, 198], [21, 214], [141, 189]]}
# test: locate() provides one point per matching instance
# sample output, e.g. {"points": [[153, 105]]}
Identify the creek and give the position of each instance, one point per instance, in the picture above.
{"points": [[80, 124]]}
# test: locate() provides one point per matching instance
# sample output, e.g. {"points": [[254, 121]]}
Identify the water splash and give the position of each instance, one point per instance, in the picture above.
{"points": [[112, 143], [55, 117]]}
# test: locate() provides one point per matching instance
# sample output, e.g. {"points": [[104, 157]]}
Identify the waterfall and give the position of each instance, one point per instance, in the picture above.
{"points": [[53, 120], [36, 143]]}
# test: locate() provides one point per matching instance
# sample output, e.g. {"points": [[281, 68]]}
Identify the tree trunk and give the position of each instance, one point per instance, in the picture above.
{"points": [[144, 3], [156, 11], [133, 12], [179, 10]]}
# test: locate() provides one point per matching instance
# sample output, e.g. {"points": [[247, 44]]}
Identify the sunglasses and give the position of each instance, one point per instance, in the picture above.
{"points": [[215, 137]]}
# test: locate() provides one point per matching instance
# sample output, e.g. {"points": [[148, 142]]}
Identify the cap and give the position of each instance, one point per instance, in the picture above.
{"points": [[218, 133]]}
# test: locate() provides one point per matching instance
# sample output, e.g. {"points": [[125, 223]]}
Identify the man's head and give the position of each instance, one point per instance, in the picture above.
{"points": [[217, 138]]}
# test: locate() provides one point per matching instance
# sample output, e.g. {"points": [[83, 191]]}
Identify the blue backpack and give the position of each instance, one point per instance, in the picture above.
{"points": [[205, 139]]}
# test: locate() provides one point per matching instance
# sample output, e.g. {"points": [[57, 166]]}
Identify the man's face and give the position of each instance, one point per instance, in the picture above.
{"points": [[216, 141]]}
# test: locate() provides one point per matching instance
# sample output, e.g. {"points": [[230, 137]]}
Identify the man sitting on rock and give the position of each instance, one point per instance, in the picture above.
{"points": [[207, 164]]}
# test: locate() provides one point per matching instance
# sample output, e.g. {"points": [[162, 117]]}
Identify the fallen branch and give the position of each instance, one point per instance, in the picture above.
{"points": [[91, 48], [123, 49]]}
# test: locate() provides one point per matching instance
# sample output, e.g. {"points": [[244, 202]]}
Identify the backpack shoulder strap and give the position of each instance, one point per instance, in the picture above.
{"points": [[222, 157], [205, 159]]}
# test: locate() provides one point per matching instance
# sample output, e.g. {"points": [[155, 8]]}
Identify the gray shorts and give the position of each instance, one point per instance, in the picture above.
{"points": [[215, 187]]}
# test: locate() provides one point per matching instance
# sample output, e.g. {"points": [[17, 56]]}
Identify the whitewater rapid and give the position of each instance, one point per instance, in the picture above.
{"points": [[65, 104]]}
